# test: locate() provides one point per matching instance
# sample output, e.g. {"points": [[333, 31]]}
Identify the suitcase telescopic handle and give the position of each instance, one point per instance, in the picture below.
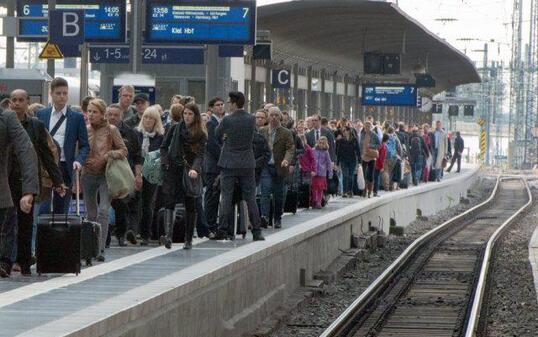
{"points": [[77, 193]]}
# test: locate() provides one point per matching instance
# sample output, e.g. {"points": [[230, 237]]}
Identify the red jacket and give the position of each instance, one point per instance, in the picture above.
{"points": [[380, 161]]}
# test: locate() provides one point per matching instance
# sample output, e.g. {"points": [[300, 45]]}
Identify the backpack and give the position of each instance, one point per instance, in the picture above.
{"points": [[54, 148], [391, 148], [415, 146]]}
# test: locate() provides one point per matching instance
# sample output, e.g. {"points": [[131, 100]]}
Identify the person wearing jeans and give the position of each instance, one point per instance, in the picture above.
{"points": [[150, 133], [105, 142], [273, 177], [348, 155]]}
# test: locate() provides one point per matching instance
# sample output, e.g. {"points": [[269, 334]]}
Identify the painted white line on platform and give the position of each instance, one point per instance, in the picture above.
{"points": [[38, 288]]}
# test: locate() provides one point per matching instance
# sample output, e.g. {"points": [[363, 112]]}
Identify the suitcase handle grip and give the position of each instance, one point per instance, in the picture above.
{"points": [[77, 193], [58, 224]]}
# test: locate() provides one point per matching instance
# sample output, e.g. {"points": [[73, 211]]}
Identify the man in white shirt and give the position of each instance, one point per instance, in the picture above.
{"points": [[68, 129]]}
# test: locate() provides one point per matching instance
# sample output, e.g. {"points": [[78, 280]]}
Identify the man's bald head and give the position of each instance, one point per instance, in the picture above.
{"points": [[19, 102]]}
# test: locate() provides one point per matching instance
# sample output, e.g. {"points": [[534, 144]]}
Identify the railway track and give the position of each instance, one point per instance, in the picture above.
{"points": [[436, 287]]}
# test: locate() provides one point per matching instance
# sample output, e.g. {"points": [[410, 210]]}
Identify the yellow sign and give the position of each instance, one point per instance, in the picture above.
{"points": [[481, 121], [51, 51], [483, 143]]}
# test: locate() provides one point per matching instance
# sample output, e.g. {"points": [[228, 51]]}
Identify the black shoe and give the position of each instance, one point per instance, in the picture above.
{"points": [[278, 224], [211, 236], [168, 243], [100, 258], [221, 235], [121, 242], [257, 236], [264, 222], [25, 271], [4, 270], [187, 245], [131, 237]]}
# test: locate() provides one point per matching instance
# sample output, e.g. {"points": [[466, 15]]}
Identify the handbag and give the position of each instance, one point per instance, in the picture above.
{"points": [[151, 170], [193, 187], [361, 184], [119, 178], [372, 153]]}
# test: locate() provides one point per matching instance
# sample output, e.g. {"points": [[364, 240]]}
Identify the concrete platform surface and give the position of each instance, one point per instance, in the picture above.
{"points": [[533, 257], [131, 293]]}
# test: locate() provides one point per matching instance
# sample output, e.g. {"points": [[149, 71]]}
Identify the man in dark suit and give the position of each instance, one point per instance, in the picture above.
{"points": [[46, 161], [13, 134], [211, 158], [68, 129], [318, 131], [238, 165], [273, 177], [459, 145]]}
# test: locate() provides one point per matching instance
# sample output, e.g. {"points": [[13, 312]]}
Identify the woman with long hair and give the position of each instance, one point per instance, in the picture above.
{"points": [[347, 155], [150, 133], [105, 142], [369, 147], [182, 150]]}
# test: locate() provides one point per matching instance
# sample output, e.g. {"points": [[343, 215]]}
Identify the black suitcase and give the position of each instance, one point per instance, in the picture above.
{"points": [[89, 241], [58, 240], [432, 175], [178, 234], [292, 201]]}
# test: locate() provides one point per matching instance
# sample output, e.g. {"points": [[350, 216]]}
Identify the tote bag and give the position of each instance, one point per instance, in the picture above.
{"points": [[119, 178]]}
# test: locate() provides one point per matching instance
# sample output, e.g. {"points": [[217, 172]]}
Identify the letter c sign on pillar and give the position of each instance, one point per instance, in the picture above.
{"points": [[281, 79]]}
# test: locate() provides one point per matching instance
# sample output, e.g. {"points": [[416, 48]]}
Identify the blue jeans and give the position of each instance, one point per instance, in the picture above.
{"points": [[348, 172], [272, 183], [416, 168], [377, 179]]}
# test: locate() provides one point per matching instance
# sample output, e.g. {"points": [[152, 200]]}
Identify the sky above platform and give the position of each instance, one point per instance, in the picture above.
{"points": [[477, 21]]}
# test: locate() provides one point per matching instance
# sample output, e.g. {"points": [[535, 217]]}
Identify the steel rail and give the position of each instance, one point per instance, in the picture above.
{"points": [[341, 323], [474, 317]]}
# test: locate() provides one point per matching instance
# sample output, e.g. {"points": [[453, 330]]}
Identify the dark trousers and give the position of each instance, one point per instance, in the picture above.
{"points": [[121, 210], [245, 178], [8, 221], [174, 193], [348, 173], [272, 183], [201, 222], [61, 204], [455, 157], [368, 168], [211, 202], [25, 225], [147, 203]]}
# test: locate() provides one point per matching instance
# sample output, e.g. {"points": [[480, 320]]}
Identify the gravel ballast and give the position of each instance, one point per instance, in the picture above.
{"points": [[314, 315], [513, 307]]}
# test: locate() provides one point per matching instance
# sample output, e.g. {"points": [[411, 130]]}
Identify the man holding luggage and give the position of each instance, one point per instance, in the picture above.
{"points": [[42, 143], [238, 165], [68, 129], [273, 177], [13, 134]]}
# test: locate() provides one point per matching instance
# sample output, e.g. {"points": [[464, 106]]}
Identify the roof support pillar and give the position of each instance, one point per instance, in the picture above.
{"points": [[269, 91], [335, 105], [355, 101], [295, 99], [309, 100], [253, 89]]}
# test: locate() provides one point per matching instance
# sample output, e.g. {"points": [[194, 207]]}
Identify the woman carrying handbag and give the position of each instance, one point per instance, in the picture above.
{"points": [[182, 154]]}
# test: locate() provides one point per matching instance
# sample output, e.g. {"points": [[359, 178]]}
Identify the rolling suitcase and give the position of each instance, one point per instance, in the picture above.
{"points": [[58, 242], [90, 235], [292, 200], [178, 232]]}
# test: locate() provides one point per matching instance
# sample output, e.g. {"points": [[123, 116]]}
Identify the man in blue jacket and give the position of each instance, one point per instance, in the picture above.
{"points": [[68, 129]]}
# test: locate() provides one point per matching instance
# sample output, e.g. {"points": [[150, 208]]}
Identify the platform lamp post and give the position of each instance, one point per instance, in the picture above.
{"points": [[51, 62]]}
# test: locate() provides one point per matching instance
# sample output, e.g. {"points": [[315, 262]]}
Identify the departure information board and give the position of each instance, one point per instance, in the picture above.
{"points": [[104, 20], [389, 94], [201, 22]]}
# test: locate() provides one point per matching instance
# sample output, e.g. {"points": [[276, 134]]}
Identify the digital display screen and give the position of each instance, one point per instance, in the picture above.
{"points": [[104, 20], [201, 22], [389, 94]]}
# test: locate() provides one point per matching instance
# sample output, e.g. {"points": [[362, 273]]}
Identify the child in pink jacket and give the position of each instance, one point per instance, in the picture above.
{"points": [[323, 170]]}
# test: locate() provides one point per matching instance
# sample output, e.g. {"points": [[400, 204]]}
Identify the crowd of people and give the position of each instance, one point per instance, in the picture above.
{"points": [[203, 163]]}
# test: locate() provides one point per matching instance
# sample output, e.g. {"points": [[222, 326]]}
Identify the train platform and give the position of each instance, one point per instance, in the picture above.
{"points": [[217, 288], [533, 257]]}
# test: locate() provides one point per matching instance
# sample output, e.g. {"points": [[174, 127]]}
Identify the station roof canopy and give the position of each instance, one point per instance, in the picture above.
{"points": [[335, 34]]}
